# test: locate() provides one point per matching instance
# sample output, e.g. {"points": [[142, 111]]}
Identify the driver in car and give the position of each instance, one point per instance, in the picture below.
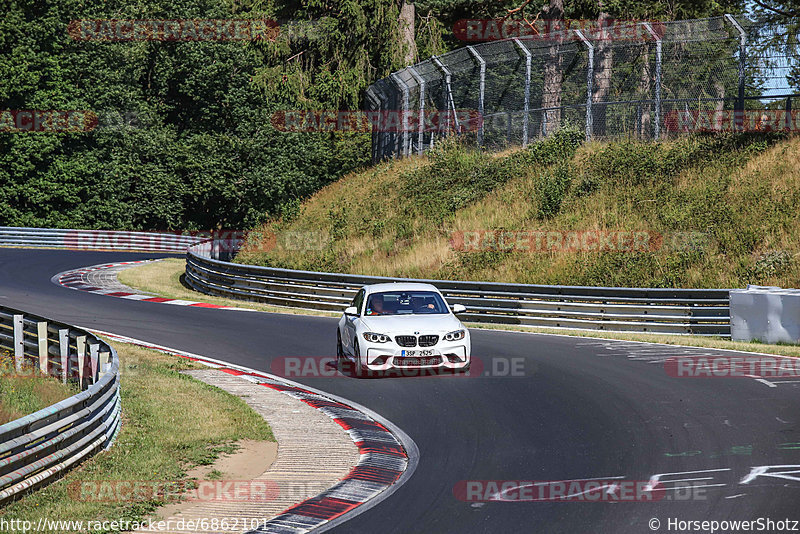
{"points": [[376, 307]]}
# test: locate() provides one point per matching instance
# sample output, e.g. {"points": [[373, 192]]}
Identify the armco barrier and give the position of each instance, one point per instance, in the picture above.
{"points": [[95, 239], [668, 311], [38, 448]]}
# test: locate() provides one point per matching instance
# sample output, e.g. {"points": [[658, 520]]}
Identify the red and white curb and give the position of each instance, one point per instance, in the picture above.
{"points": [[388, 456], [79, 279]]}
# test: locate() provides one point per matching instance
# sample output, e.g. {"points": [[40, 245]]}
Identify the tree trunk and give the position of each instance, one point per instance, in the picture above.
{"points": [[408, 43], [601, 86], [553, 72]]}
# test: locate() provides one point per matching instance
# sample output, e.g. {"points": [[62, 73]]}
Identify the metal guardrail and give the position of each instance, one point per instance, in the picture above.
{"points": [[95, 239], [38, 448], [667, 311]]}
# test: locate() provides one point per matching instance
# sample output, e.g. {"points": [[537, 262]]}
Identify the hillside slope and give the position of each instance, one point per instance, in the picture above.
{"points": [[715, 211]]}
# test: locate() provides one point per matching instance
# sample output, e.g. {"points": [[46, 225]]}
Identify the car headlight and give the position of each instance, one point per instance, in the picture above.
{"points": [[455, 336], [372, 337]]}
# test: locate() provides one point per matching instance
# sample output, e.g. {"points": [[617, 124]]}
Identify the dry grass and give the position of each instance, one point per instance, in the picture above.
{"points": [[743, 199]]}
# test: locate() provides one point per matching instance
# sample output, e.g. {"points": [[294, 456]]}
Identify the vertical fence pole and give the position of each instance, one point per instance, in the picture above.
{"points": [[63, 349], [404, 89], [421, 134], [41, 334], [526, 105], [19, 343], [589, 77], [739, 111], [449, 102], [788, 118], [482, 89], [657, 105]]}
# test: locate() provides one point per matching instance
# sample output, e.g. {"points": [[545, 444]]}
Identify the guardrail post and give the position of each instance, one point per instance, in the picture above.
{"points": [[589, 76], [80, 341], [41, 331], [738, 113], [657, 105], [482, 89], [63, 348], [526, 105], [105, 362], [94, 357], [19, 343]]}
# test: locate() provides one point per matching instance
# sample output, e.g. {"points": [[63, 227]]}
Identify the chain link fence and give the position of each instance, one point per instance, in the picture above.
{"points": [[645, 80]]}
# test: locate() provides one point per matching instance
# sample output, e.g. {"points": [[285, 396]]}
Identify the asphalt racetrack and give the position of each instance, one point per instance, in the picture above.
{"points": [[576, 408]]}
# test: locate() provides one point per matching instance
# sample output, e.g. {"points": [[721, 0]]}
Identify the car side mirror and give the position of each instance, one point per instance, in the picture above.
{"points": [[459, 308], [351, 310]]}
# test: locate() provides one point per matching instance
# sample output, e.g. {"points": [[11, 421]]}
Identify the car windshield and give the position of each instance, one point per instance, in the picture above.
{"points": [[405, 303]]}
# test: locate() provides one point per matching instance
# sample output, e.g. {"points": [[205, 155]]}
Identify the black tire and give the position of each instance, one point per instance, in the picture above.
{"points": [[361, 371], [340, 358]]}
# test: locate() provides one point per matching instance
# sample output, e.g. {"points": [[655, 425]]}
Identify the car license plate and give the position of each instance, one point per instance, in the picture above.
{"points": [[416, 353]]}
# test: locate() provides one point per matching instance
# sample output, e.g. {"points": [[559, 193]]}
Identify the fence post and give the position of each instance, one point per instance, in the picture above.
{"points": [[421, 134], [41, 334], [788, 118], [19, 343], [449, 103], [404, 88], [482, 64], [63, 349], [657, 105], [589, 76], [738, 113], [374, 136], [526, 105]]}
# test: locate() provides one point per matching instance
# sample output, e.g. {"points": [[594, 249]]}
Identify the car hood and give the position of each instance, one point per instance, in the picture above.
{"points": [[408, 324]]}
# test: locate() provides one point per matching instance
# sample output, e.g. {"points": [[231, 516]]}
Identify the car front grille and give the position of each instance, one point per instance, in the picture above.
{"points": [[406, 341], [428, 341]]}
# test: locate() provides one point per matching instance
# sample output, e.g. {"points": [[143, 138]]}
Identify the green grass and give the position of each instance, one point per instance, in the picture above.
{"points": [[171, 422], [28, 391], [726, 206]]}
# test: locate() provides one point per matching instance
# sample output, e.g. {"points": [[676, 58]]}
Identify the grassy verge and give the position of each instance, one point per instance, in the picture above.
{"points": [[721, 212], [163, 278], [27, 392], [171, 423]]}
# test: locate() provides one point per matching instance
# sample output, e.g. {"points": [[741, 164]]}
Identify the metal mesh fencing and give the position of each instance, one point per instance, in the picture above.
{"points": [[646, 80]]}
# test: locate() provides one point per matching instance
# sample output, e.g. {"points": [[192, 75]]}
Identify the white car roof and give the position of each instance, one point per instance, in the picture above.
{"points": [[400, 286]]}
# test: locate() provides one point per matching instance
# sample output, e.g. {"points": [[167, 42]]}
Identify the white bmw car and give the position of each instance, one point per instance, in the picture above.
{"points": [[401, 326]]}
